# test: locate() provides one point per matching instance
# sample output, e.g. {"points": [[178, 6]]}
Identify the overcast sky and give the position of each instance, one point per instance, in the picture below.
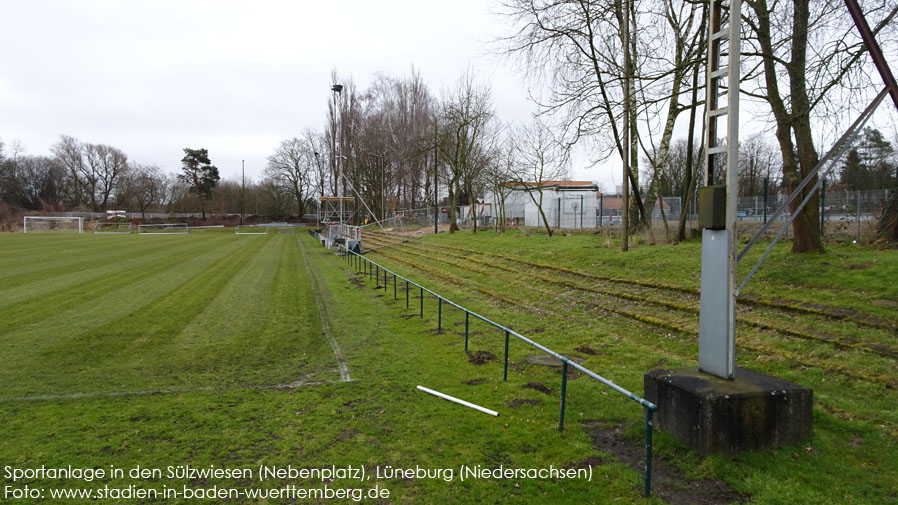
{"points": [[153, 77]]}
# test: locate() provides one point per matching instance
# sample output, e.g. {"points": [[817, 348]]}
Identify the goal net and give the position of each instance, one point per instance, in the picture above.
{"points": [[163, 229], [45, 224], [251, 230], [112, 228]]}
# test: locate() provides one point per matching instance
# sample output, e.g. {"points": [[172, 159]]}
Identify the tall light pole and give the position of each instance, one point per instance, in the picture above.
{"points": [[338, 90], [242, 188], [320, 188]]}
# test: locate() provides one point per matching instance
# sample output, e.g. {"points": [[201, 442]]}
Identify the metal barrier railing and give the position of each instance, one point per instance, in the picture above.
{"points": [[373, 270]]}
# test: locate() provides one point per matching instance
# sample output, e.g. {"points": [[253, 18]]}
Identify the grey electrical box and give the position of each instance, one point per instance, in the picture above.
{"points": [[712, 207]]}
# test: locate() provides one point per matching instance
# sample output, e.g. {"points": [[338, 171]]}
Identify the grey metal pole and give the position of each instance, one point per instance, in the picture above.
{"points": [[766, 181]]}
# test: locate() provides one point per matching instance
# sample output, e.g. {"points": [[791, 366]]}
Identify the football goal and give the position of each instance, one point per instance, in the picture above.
{"points": [[251, 230], [112, 228], [45, 224], [163, 229]]}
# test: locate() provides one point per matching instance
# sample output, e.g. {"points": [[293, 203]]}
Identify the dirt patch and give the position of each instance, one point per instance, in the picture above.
{"points": [[586, 350], [473, 382], [537, 330], [857, 266], [669, 483], [517, 402], [481, 357], [537, 386], [357, 281], [885, 303]]}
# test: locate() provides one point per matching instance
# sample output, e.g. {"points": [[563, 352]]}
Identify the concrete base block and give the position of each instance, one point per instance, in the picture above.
{"points": [[714, 415]]}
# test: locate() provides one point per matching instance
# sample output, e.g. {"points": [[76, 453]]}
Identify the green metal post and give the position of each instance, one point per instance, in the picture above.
{"points": [[406, 295], [563, 395], [440, 315], [422, 303], [648, 452], [394, 286], [385, 280], [467, 318], [505, 372]]}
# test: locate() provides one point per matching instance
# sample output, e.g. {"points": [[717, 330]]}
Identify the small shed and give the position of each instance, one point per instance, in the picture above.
{"points": [[568, 205]]}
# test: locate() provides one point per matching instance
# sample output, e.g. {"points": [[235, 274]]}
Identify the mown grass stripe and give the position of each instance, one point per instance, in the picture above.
{"points": [[33, 302], [59, 262], [31, 370]]}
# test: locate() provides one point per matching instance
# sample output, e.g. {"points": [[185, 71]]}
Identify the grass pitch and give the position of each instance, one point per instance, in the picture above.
{"points": [[208, 349]]}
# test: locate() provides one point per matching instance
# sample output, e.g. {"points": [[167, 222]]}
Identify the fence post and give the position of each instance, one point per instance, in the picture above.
{"points": [[505, 372], [467, 317], [394, 286], [563, 394], [422, 303], [765, 200], [406, 294], [439, 315], [823, 208]]}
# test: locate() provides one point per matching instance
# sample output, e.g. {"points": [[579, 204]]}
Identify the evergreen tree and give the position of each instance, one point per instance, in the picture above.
{"points": [[199, 174]]}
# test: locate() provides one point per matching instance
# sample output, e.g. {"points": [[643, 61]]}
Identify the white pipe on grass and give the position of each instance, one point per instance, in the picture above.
{"points": [[460, 402]]}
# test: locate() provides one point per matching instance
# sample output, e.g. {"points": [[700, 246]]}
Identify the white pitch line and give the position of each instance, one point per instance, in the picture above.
{"points": [[322, 312]]}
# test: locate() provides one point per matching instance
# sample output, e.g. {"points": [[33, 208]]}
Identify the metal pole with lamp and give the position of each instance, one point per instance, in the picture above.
{"points": [[338, 89]]}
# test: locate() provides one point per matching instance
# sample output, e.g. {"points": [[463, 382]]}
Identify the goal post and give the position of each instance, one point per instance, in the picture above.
{"points": [[53, 224], [112, 228], [251, 230], [163, 229]]}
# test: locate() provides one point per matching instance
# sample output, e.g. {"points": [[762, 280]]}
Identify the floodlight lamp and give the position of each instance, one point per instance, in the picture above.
{"points": [[337, 87]]}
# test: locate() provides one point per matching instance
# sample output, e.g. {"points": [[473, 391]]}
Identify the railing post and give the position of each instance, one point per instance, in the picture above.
{"points": [[467, 317], [505, 372], [406, 294], [394, 286], [422, 303], [648, 452], [385, 280], [563, 394], [439, 315]]}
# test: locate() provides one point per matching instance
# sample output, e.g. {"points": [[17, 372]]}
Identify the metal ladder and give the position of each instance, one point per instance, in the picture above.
{"points": [[723, 95]]}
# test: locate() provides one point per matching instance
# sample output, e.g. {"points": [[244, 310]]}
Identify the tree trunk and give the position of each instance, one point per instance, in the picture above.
{"points": [[888, 223], [800, 157]]}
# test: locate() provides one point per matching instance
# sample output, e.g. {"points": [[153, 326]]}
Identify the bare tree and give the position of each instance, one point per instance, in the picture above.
{"points": [[540, 158], [757, 161], [577, 47], [804, 52], [106, 165], [466, 129], [93, 169], [145, 186], [37, 184], [499, 177], [70, 154], [293, 165]]}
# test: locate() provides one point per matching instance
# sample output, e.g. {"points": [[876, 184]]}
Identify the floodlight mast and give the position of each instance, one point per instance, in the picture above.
{"points": [[338, 90], [717, 205]]}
